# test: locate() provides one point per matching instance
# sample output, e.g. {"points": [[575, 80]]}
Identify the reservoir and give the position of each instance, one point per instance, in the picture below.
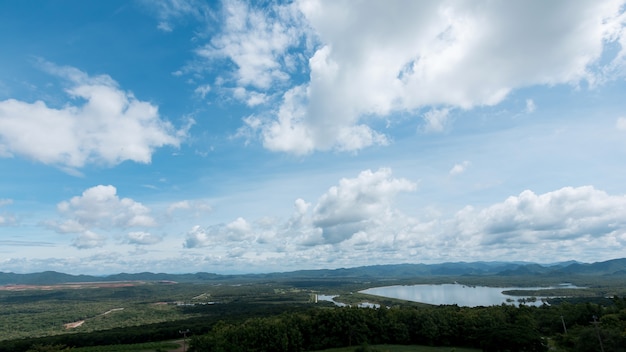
{"points": [[462, 295]]}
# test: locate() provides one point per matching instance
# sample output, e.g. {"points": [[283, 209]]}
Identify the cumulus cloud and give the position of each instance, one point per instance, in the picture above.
{"points": [[101, 124], [238, 229], [89, 239], [357, 203], [357, 222], [250, 98], [235, 231], [458, 169], [436, 120], [142, 238], [197, 237], [360, 206], [256, 40], [565, 214], [398, 57], [101, 208]]}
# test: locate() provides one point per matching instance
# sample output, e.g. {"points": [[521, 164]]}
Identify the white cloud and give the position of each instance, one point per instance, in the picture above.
{"points": [[567, 214], [88, 240], [100, 208], [102, 124], [256, 40], [233, 232], [357, 222], [169, 12], [6, 201], [165, 26], [202, 90], [436, 120], [197, 237], [184, 205], [251, 98], [621, 124], [299, 229], [67, 226], [143, 238], [357, 204], [530, 106], [288, 133], [195, 207], [238, 229], [458, 169], [413, 55]]}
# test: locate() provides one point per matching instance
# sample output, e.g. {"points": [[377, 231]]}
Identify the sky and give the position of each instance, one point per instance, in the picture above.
{"points": [[228, 136]]}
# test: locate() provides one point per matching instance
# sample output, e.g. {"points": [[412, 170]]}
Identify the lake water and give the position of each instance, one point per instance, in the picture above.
{"points": [[331, 298], [462, 295]]}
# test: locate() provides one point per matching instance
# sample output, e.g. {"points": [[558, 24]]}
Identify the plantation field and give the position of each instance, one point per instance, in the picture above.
{"points": [[68, 309], [134, 316], [401, 348], [29, 311]]}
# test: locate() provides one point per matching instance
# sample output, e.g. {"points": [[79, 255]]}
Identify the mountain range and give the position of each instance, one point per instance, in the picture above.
{"points": [[614, 267]]}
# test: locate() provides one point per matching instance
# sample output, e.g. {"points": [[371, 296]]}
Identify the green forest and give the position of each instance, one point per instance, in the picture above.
{"points": [[497, 328], [295, 328]]}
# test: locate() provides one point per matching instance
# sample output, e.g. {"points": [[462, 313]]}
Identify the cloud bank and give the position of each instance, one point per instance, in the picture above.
{"points": [[357, 222], [363, 62]]}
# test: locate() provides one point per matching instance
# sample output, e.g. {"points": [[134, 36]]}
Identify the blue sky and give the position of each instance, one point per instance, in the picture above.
{"points": [[229, 137]]}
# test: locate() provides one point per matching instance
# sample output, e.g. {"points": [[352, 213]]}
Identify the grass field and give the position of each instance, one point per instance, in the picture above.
{"points": [[402, 348]]}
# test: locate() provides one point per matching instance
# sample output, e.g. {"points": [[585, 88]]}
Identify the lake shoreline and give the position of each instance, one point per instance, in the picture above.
{"points": [[469, 295]]}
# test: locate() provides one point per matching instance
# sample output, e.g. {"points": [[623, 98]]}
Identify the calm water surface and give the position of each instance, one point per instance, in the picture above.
{"points": [[331, 298], [462, 295]]}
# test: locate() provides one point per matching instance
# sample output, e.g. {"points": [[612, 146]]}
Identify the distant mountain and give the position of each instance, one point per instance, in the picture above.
{"points": [[615, 267], [43, 278], [562, 264], [146, 276], [53, 278], [396, 271], [609, 267], [528, 269]]}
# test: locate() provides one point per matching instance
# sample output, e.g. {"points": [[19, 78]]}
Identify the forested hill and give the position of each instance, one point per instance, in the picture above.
{"points": [[615, 267]]}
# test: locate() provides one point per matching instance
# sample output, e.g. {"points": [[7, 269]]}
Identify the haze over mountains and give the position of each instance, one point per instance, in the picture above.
{"points": [[615, 267]]}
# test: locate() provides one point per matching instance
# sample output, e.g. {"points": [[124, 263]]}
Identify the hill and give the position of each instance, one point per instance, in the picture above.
{"points": [[615, 267]]}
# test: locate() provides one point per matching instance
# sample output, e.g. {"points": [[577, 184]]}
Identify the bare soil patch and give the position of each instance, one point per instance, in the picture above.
{"points": [[74, 324], [75, 286]]}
